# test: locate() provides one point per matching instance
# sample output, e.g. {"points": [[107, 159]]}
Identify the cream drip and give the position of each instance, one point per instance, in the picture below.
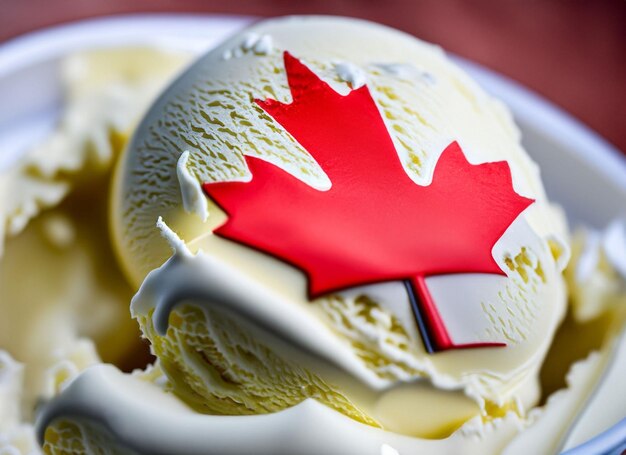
{"points": [[144, 418], [194, 199], [258, 44], [264, 45], [176, 244], [206, 280], [350, 73]]}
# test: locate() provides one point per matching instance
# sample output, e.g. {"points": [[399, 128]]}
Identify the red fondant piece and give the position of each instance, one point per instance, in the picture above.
{"points": [[374, 224]]}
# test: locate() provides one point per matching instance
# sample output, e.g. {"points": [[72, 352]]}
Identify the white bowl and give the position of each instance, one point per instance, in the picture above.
{"points": [[581, 171]]}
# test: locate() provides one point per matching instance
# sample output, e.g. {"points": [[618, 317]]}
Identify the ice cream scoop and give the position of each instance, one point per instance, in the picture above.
{"points": [[442, 314]]}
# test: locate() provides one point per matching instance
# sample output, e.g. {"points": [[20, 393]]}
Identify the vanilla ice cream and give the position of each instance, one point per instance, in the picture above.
{"points": [[244, 315], [248, 361], [63, 300]]}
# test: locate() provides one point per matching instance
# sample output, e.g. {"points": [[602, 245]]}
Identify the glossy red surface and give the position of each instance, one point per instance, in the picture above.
{"points": [[374, 224]]}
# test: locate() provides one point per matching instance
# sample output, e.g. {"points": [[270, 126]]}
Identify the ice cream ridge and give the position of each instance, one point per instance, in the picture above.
{"points": [[359, 240]]}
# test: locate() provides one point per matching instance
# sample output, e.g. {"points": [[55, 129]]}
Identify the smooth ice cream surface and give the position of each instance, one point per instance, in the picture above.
{"points": [[247, 361], [359, 350]]}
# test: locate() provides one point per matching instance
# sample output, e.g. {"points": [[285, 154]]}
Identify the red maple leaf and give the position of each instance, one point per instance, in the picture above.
{"points": [[374, 224]]}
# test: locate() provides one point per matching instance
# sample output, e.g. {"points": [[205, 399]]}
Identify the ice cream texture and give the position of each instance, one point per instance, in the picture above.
{"points": [[246, 361], [233, 327]]}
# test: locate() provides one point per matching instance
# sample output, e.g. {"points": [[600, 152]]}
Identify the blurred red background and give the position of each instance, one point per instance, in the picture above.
{"points": [[573, 52]]}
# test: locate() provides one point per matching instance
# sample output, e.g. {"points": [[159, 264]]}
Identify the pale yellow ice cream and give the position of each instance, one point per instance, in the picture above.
{"points": [[343, 374], [245, 339], [63, 299]]}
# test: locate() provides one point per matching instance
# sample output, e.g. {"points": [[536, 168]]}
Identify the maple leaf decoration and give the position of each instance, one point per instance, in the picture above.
{"points": [[374, 224]]}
